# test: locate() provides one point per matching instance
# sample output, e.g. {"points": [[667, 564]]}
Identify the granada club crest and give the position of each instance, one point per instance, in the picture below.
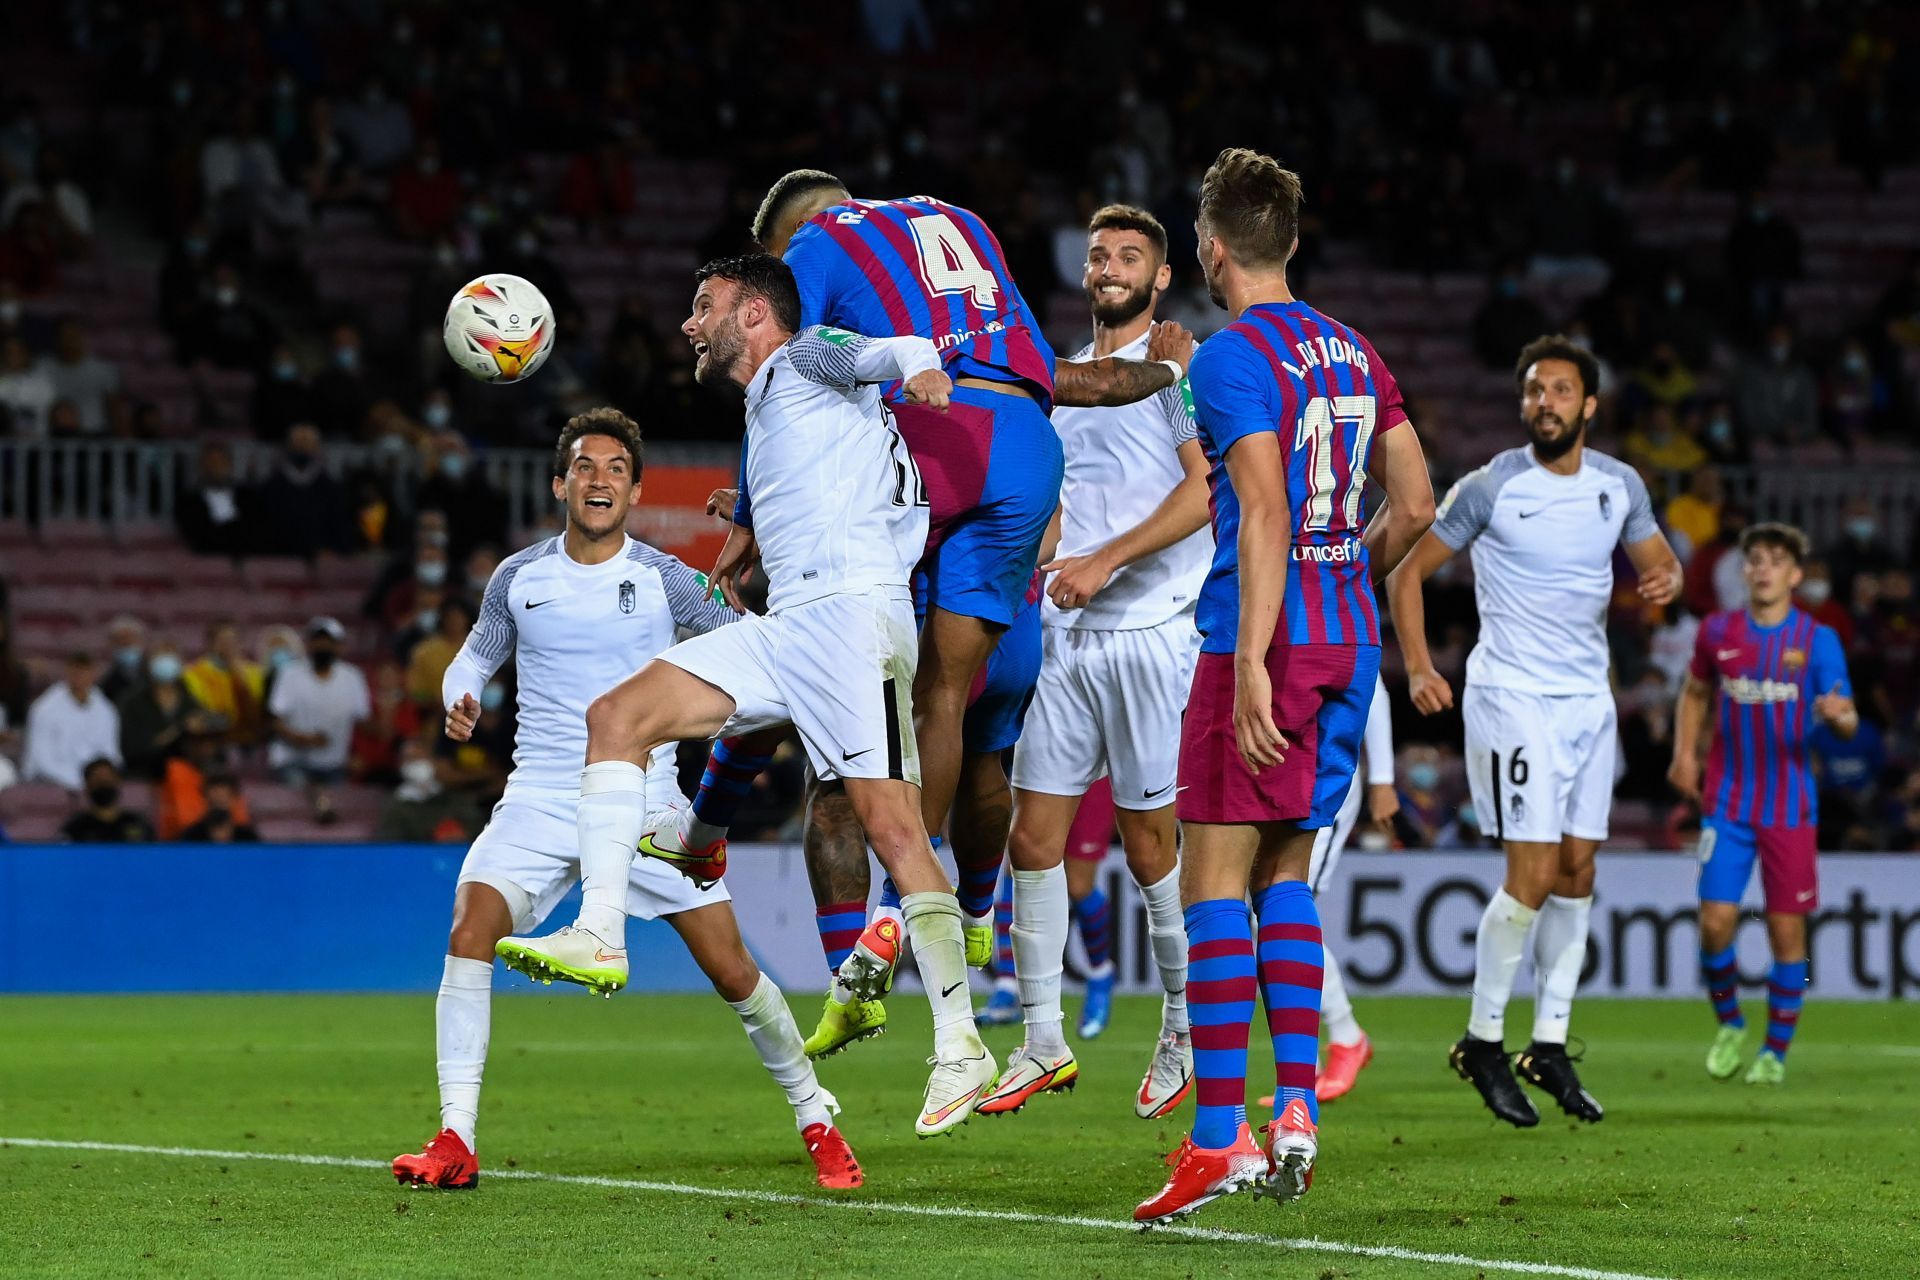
{"points": [[626, 597], [1606, 507]]}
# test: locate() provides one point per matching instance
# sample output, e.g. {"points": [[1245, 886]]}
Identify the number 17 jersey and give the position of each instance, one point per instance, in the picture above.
{"points": [[1324, 391], [894, 268]]}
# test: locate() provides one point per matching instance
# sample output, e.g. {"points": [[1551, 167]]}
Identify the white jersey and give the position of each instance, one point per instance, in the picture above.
{"points": [[826, 483], [1543, 565], [1122, 463], [576, 630]]}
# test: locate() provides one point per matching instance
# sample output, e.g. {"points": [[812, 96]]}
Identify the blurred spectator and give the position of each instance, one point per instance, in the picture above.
{"points": [[1775, 393], [1726, 152], [1695, 512], [213, 512], [1901, 817], [427, 578], [429, 528], [1815, 595], [224, 328], [422, 621], [245, 192], [1674, 318], [396, 718], [481, 763], [527, 257], [69, 725], [1570, 223], [598, 189], [126, 657], [322, 161], [1897, 312], [182, 794], [219, 824], [1715, 577], [88, 381], [421, 810], [1505, 322], [1659, 445], [1427, 817], [281, 396], [433, 654], [184, 276], [1717, 432], [279, 647], [341, 397], [1664, 379], [1763, 255], [303, 509], [104, 820], [314, 706], [227, 685], [1646, 737], [16, 683], [156, 716], [27, 393], [377, 127], [424, 198], [1670, 647], [1863, 547], [476, 511], [1854, 396], [481, 563], [1803, 133], [66, 204], [30, 249]]}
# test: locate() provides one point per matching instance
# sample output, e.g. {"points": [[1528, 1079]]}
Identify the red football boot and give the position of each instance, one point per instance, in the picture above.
{"points": [[1343, 1068], [1293, 1143], [833, 1162], [1201, 1176], [445, 1163]]}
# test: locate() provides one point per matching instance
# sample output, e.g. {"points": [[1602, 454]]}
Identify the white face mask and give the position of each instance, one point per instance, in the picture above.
{"points": [[418, 773], [1816, 591]]}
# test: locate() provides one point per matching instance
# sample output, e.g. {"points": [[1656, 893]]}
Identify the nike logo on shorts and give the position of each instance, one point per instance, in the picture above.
{"points": [[1148, 795], [851, 756]]}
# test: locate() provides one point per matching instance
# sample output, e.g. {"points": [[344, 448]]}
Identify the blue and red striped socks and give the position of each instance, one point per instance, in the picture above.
{"points": [[1786, 988], [724, 786], [1220, 990], [1720, 971], [1291, 957], [1096, 930], [840, 924], [1003, 927], [977, 883]]}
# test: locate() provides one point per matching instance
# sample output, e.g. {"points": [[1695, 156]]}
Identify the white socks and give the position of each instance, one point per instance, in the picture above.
{"points": [[1496, 955], [695, 834], [1167, 932], [1336, 1009], [1559, 952], [933, 926], [776, 1038], [1040, 914], [461, 1018], [613, 810]]}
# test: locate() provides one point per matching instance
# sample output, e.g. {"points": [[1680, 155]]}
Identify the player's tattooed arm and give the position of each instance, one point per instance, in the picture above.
{"points": [[1112, 381]]}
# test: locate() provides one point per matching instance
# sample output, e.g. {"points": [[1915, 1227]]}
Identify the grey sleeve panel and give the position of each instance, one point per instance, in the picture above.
{"points": [[1468, 506], [494, 632], [686, 591], [830, 362]]}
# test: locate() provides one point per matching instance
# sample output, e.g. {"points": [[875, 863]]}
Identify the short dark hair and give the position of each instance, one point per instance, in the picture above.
{"points": [[784, 194], [604, 421], [1126, 217], [96, 762], [1557, 346], [1773, 533], [759, 275], [1252, 205]]}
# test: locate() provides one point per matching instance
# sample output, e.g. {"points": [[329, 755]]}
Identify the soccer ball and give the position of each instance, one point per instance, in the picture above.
{"points": [[499, 328]]}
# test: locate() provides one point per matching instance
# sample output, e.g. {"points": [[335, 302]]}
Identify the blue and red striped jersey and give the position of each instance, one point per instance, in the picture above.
{"points": [[1758, 768], [1323, 389], [889, 268]]}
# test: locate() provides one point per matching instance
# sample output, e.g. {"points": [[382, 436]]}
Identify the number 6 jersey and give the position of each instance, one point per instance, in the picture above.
{"points": [[920, 266], [1321, 387]]}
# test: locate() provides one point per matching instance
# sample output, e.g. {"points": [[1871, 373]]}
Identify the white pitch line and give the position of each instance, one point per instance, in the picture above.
{"points": [[1388, 1251]]}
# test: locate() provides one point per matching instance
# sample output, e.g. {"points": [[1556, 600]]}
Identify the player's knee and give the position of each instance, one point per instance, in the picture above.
{"points": [[1030, 849], [471, 938], [609, 720], [734, 976]]}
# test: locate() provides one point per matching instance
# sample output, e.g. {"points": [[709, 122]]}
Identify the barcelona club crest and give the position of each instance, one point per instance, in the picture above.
{"points": [[1793, 659], [626, 597]]}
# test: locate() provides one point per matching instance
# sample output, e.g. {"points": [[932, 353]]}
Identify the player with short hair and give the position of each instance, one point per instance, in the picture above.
{"points": [[1295, 410], [1767, 673], [577, 612], [1541, 739], [1348, 1048], [1119, 650], [831, 507]]}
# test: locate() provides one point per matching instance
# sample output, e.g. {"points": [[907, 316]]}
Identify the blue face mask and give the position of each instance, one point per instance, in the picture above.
{"points": [[436, 415], [129, 655], [279, 658], [347, 358], [493, 697], [286, 370], [165, 668], [1423, 777]]}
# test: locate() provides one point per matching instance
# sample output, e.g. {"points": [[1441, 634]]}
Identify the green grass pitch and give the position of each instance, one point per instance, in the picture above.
{"points": [[1685, 1177]]}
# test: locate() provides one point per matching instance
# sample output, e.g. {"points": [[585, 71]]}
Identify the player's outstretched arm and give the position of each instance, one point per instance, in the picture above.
{"points": [[1183, 512], [1110, 381], [1406, 602], [1689, 733], [840, 358], [1657, 567], [1402, 470], [1258, 472]]}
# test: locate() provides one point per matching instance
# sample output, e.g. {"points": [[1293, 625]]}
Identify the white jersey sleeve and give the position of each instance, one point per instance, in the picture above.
{"points": [[1377, 746], [1176, 402], [838, 358]]}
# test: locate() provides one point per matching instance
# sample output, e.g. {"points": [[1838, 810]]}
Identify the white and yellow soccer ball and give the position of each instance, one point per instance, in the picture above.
{"points": [[499, 328]]}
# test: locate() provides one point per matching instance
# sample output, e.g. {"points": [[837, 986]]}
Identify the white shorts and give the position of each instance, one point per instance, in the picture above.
{"points": [[530, 852], [1330, 842], [838, 669], [1541, 765], [1108, 703]]}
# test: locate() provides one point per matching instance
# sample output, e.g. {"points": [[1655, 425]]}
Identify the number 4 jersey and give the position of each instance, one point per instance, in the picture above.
{"points": [[919, 266], [1324, 391]]}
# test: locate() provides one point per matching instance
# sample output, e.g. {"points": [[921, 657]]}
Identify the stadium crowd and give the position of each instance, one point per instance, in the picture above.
{"points": [[274, 133]]}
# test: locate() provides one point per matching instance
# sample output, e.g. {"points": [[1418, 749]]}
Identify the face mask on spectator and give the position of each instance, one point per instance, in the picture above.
{"points": [[1862, 528], [1816, 591], [1779, 351], [9, 312], [1720, 430], [1676, 293], [104, 796], [1422, 777], [453, 465], [129, 655], [1854, 362], [218, 816], [492, 697], [279, 658], [165, 667], [226, 295], [432, 573], [428, 619], [285, 370], [436, 414], [322, 660], [418, 773]]}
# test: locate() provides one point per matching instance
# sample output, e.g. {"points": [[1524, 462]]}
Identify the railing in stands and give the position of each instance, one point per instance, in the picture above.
{"points": [[122, 483]]}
